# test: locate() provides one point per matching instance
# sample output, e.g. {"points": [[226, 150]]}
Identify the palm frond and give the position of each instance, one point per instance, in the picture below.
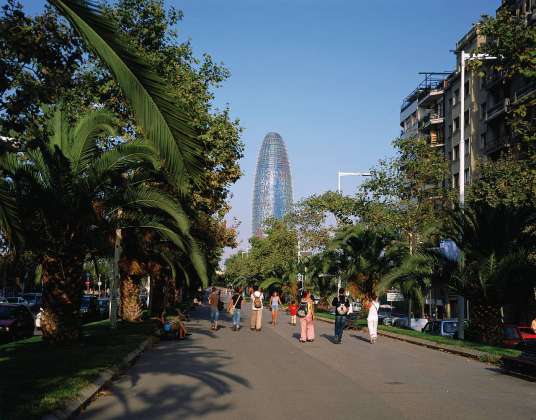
{"points": [[160, 115], [123, 157], [84, 135], [9, 220]]}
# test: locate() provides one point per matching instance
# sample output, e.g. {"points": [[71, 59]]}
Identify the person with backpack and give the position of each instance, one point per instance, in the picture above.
{"points": [[235, 304], [342, 306], [256, 309], [214, 302], [372, 319], [307, 316]]}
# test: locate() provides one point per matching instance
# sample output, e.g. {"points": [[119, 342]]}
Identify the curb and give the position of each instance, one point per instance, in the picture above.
{"points": [[475, 354], [73, 406]]}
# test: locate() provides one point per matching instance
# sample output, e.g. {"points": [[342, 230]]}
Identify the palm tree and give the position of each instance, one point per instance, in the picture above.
{"points": [[160, 116], [495, 264], [68, 192], [364, 256]]}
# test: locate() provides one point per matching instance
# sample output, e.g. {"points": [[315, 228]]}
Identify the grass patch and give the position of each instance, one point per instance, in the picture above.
{"points": [[38, 378], [495, 353]]}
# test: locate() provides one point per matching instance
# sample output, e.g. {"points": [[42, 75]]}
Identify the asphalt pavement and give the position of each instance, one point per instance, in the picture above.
{"points": [[271, 375]]}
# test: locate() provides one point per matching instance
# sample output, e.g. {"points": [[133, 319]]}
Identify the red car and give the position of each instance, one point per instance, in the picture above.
{"points": [[517, 335]]}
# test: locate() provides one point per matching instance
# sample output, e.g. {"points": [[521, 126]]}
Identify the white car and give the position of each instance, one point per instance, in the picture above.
{"points": [[3, 299], [17, 299]]}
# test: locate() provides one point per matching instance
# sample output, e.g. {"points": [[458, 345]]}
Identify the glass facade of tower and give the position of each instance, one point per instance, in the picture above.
{"points": [[272, 195]]}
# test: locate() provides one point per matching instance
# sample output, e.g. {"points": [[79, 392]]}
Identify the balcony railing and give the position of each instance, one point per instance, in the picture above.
{"points": [[431, 119], [524, 92], [496, 110]]}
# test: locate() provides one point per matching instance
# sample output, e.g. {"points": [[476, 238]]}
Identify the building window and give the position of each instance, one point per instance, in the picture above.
{"points": [[466, 145], [456, 124], [455, 180], [450, 155], [483, 111], [449, 130], [455, 97], [456, 153], [450, 103], [483, 141], [466, 88], [466, 117], [467, 175]]}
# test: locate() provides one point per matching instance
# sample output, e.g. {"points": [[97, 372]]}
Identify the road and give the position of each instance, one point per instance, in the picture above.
{"points": [[271, 375]]}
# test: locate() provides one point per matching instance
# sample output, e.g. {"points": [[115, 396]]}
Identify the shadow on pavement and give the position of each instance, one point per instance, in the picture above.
{"points": [[175, 376], [328, 337], [358, 337]]}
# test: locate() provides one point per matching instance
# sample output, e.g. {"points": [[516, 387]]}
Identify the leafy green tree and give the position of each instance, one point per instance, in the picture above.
{"points": [[407, 194], [510, 180]]}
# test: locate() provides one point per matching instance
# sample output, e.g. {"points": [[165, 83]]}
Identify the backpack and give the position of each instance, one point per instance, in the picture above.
{"points": [[303, 309], [257, 302], [342, 309]]}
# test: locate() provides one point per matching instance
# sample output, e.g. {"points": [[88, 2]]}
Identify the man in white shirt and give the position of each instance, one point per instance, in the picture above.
{"points": [[256, 309]]}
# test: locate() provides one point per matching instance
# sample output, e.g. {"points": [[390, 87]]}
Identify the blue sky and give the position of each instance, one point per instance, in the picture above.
{"points": [[329, 76]]}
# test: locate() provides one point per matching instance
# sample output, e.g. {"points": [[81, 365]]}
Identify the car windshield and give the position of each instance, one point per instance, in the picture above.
{"points": [[13, 299], [7, 312], [450, 327]]}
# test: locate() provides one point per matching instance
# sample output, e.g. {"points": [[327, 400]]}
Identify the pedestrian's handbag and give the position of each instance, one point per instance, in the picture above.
{"points": [[231, 307], [303, 310]]}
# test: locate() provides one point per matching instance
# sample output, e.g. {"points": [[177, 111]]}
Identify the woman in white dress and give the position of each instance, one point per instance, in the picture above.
{"points": [[372, 319]]}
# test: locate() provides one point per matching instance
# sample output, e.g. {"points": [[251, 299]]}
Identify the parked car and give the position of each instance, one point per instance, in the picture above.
{"points": [[89, 309], [34, 301], [17, 300], [3, 299], [16, 321], [442, 327], [518, 335], [104, 307]]}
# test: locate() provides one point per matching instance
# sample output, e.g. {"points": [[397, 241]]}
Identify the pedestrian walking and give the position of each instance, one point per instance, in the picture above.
{"points": [[307, 316], [342, 306], [256, 309], [275, 301], [214, 302], [293, 311], [372, 319], [234, 307]]}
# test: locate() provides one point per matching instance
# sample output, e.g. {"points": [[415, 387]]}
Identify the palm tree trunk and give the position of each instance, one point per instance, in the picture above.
{"points": [[62, 289], [131, 308], [157, 288], [486, 322]]}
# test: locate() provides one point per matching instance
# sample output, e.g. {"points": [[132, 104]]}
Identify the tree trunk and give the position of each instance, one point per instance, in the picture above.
{"points": [[171, 291], [158, 285], [485, 323], [62, 289], [131, 309]]}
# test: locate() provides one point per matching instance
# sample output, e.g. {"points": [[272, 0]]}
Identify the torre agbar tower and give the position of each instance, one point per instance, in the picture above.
{"points": [[272, 195]]}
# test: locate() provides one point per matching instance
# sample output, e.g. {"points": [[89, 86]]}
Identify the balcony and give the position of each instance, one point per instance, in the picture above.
{"points": [[524, 92], [430, 98], [495, 145], [431, 119], [496, 110]]}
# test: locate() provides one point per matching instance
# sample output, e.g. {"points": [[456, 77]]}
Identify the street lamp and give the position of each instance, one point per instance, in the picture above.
{"points": [[461, 174], [339, 174]]}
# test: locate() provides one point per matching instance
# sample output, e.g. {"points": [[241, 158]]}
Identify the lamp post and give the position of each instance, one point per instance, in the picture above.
{"points": [[339, 174], [461, 175]]}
